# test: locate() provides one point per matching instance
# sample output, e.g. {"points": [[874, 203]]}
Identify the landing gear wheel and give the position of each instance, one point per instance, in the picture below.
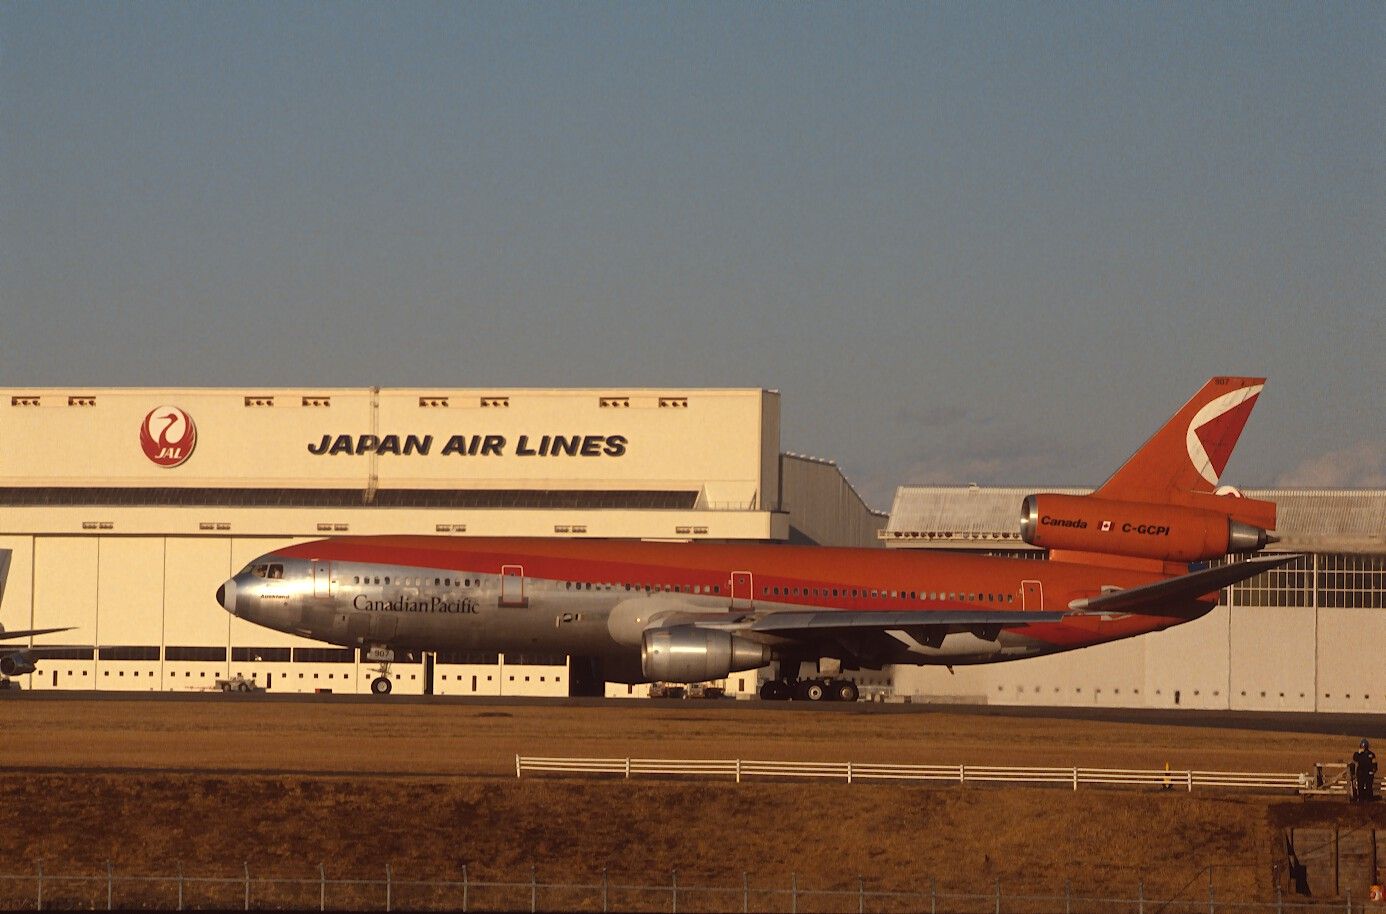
{"points": [[243, 687], [774, 690], [815, 691], [844, 690], [381, 686]]}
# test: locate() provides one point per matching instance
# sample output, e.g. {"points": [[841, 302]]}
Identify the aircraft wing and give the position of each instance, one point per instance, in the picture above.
{"points": [[1170, 596], [792, 623], [5, 635]]}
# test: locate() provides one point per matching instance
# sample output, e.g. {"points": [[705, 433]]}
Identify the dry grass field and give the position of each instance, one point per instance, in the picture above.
{"points": [[216, 785]]}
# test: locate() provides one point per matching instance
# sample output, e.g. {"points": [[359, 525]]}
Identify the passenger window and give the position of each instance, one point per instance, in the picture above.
{"points": [[716, 588], [276, 571]]}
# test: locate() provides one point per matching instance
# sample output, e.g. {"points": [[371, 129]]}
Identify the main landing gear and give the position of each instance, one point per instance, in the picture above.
{"points": [[809, 690]]}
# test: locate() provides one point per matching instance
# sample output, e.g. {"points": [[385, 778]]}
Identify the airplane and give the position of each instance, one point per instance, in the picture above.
{"points": [[1140, 554], [16, 661]]}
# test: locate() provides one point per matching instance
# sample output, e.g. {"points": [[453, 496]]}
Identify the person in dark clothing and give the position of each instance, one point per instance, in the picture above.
{"points": [[1363, 772]]}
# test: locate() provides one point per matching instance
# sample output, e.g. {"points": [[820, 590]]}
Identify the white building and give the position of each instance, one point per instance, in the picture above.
{"points": [[126, 508], [1309, 636]]}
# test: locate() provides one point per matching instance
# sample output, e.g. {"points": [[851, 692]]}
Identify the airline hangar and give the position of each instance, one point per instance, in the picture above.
{"points": [[1303, 637], [124, 510]]}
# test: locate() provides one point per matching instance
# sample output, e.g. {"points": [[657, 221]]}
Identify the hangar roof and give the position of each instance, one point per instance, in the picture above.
{"points": [[976, 517]]}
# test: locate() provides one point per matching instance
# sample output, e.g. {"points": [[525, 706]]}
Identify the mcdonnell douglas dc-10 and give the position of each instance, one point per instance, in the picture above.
{"points": [[1129, 559]]}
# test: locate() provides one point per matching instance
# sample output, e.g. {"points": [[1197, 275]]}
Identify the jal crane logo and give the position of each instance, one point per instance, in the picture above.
{"points": [[168, 436]]}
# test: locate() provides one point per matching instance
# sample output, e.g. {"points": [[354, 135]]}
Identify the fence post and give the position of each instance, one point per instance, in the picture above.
{"points": [[1279, 900], [1075, 779], [745, 892], [604, 889], [1349, 901], [110, 885], [534, 887], [849, 772], [1188, 776], [180, 885], [794, 893], [674, 891], [1211, 909], [738, 771], [627, 769], [998, 895], [861, 895], [517, 764], [1140, 897], [247, 884], [322, 887], [389, 887], [40, 887], [962, 774], [464, 887], [1068, 896], [933, 895]]}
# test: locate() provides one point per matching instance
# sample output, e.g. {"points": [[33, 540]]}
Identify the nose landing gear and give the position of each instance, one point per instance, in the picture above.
{"points": [[381, 684]]}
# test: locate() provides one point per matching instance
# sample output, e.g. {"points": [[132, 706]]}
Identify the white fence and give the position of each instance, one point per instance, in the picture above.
{"points": [[851, 772]]}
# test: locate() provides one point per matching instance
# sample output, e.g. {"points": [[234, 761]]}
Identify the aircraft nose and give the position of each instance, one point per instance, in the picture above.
{"points": [[226, 596]]}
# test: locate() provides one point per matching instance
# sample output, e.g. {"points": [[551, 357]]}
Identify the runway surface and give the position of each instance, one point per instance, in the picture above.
{"points": [[1371, 726]]}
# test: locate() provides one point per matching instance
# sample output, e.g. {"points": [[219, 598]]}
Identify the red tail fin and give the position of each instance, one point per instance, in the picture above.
{"points": [[1181, 464], [1186, 457]]}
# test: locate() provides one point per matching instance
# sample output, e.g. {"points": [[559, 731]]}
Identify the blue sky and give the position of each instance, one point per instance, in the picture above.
{"points": [[971, 242]]}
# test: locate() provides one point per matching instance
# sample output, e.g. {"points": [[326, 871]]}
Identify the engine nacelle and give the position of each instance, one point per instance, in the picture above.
{"points": [[683, 653], [1168, 533], [17, 664]]}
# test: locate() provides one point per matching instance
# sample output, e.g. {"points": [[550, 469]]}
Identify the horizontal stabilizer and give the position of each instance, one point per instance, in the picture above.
{"points": [[1169, 597], [786, 622]]}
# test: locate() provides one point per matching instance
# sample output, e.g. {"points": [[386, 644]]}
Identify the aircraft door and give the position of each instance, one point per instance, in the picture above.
{"points": [[1031, 595], [322, 578], [512, 590], [742, 590]]}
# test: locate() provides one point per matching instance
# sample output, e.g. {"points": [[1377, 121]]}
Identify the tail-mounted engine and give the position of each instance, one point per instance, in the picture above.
{"points": [[17, 664], [1170, 533], [684, 653]]}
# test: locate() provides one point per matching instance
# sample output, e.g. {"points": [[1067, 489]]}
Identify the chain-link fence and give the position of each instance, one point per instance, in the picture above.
{"points": [[52, 888]]}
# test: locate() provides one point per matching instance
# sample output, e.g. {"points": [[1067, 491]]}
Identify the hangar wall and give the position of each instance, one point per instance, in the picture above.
{"points": [[1304, 637], [156, 496]]}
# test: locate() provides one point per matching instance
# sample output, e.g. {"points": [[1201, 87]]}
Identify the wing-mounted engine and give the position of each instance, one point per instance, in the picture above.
{"points": [[1170, 533], [685, 653], [17, 663]]}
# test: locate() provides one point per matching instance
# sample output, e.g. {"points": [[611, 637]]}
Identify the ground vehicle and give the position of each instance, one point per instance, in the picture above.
{"points": [[238, 683]]}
